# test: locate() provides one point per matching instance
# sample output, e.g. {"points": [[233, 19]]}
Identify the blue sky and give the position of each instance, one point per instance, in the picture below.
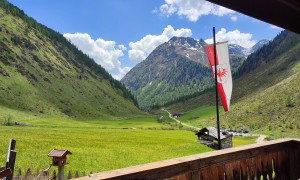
{"points": [[118, 34]]}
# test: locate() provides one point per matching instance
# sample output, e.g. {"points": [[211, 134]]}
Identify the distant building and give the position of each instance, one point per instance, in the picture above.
{"points": [[209, 137], [177, 114]]}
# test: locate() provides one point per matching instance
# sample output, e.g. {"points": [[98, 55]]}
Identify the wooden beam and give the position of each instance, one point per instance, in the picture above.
{"points": [[11, 158], [5, 173], [190, 164], [282, 13]]}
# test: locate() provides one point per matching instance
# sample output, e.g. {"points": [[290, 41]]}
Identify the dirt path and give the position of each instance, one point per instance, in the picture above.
{"points": [[170, 115], [261, 138]]}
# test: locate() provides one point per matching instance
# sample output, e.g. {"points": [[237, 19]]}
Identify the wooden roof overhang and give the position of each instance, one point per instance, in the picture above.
{"points": [[282, 13]]}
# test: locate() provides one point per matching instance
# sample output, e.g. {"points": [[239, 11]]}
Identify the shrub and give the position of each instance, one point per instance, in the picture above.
{"points": [[8, 120], [289, 102]]}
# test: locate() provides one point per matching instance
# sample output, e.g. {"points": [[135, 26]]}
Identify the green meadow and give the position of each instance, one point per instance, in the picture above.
{"points": [[195, 116], [98, 145]]}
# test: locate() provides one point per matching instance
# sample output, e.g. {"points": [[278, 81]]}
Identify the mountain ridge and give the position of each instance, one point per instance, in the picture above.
{"points": [[167, 72], [159, 80], [44, 74], [266, 95]]}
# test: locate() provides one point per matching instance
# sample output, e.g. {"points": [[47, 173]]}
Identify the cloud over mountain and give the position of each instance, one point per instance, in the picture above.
{"points": [[233, 37], [139, 50], [105, 53]]}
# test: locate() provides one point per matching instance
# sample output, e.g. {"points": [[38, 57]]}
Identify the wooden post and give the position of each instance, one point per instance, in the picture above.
{"points": [[76, 174], [28, 174], [70, 175], [11, 158], [54, 175], [61, 172]]}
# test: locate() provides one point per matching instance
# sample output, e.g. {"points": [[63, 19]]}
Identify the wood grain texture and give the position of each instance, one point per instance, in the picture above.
{"points": [[246, 162]]}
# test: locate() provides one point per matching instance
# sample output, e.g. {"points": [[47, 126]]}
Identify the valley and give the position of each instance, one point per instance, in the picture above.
{"points": [[55, 96], [99, 145]]}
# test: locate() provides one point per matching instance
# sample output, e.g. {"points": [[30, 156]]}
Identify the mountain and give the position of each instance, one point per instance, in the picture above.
{"points": [[238, 50], [43, 74], [175, 68], [258, 45], [238, 54], [266, 95]]}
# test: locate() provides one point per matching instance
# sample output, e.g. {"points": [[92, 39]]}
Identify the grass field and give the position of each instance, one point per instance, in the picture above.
{"points": [[99, 145], [195, 116]]}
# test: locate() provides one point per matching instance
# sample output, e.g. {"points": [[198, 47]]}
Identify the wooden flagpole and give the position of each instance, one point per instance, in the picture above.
{"points": [[216, 85]]}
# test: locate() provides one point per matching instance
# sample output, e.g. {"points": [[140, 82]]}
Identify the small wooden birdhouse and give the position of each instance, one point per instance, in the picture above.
{"points": [[59, 157]]}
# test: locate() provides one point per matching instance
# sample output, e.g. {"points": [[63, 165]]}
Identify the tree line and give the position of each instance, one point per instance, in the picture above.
{"points": [[59, 39]]}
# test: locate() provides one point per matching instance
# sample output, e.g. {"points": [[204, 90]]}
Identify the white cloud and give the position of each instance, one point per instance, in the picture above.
{"points": [[275, 27], [233, 18], [105, 53], [192, 9], [233, 37], [122, 47], [139, 50], [120, 72]]}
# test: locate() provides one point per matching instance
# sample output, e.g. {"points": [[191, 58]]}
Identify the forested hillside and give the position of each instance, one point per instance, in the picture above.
{"points": [[43, 74], [177, 70], [266, 94], [174, 69]]}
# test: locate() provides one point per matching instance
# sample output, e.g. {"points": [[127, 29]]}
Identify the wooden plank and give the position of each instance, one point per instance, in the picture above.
{"points": [[251, 168], [259, 168], [276, 165], [269, 166], [185, 176], [213, 172], [282, 165], [285, 165], [206, 173], [294, 159], [244, 169], [178, 166], [229, 171], [221, 172], [264, 164], [5, 173], [195, 175], [236, 170]]}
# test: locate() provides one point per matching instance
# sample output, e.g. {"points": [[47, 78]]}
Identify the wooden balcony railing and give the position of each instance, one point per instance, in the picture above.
{"points": [[278, 159]]}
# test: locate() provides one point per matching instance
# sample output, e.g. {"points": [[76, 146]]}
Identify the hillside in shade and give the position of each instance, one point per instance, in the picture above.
{"points": [[43, 74]]}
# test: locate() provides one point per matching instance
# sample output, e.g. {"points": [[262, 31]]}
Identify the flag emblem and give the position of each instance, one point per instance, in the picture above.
{"points": [[222, 73]]}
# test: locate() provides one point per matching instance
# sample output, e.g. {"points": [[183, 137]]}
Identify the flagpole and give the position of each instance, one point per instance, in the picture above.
{"points": [[216, 85]]}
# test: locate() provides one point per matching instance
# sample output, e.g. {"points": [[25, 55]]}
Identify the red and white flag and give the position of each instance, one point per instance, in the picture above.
{"points": [[224, 79]]}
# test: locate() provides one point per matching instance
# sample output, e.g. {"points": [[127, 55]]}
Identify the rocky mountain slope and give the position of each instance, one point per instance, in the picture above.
{"points": [[258, 45], [266, 96], [42, 74], [175, 69]]}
